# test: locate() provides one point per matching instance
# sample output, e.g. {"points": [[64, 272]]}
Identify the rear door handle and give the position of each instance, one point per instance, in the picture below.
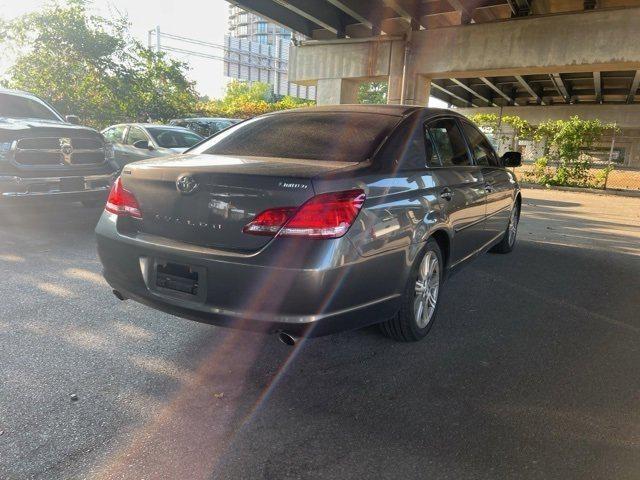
{"points": [[489, 188], [447, 194]]}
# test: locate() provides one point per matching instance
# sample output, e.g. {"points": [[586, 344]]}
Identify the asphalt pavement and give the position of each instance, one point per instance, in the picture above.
{"points": [[532, 370]]}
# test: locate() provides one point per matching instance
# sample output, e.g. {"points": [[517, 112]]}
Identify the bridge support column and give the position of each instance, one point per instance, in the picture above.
{"points": [[331, 91]]}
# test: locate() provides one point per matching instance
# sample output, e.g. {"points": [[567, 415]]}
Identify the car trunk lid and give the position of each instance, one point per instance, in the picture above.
{"points": [[206, 199]]}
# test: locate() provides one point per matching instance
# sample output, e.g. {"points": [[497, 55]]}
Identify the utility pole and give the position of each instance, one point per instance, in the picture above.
{"points": [[158, 44]]}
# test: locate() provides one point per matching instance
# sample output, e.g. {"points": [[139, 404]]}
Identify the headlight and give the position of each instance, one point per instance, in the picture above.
{"points": [[4, 151]]}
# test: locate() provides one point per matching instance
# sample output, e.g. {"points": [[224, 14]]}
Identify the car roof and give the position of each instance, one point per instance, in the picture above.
{"points": [[19, 93], [396, 110], [199, 119], [149, 125]]}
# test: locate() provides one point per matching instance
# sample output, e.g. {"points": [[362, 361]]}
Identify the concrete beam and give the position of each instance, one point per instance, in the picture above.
{"points": [[278, 14], [472, 91], [597, 86], [520, 8], [406, 9], [557, 81], [451, 94], [332, 91], [608, 44], [352, 58], [634, 87], [356, 10], [466, 13], [603, 40], [326, 16], [494, 87], [530, 90]]}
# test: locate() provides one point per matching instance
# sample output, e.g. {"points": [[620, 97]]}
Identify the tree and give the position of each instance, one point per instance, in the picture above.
{"points": [[245, 100], [91, 66], [372, 92], [565, 143]]}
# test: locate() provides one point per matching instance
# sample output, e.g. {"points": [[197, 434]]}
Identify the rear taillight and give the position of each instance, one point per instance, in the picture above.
{"points": [[122, 202], [328, 215]]}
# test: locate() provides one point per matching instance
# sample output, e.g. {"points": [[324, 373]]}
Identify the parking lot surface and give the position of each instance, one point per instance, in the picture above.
{"points": [[531, 371]]}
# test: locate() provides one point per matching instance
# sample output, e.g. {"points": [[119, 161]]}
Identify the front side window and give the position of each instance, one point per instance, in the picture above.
{"points": [[15, 106], [480, 147], [331, 136], [135, 135], [449, 143]]}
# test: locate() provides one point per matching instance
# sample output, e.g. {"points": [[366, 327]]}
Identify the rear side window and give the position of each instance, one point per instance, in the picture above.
{"points": [[331, 136], [448, 143], [431, 153], [480, 147]]}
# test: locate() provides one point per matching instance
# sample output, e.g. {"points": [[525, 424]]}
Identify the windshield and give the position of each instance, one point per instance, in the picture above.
{"points": [[341, 136], [173, 138], [15, 106]]}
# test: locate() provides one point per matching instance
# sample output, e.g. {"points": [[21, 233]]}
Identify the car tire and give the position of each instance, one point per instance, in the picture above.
{"points": [[92, 203], [508, 242], [411, 324]]}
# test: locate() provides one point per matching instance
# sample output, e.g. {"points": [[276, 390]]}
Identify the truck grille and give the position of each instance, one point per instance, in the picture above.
{"points": [[58, 151]]}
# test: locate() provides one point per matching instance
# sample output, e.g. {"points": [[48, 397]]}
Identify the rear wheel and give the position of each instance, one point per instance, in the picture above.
{"points": [[508, 242], [421, 298]]}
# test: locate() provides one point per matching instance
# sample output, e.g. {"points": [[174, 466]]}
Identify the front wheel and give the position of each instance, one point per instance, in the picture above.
{"points": [[508, 242], [421, 298]]}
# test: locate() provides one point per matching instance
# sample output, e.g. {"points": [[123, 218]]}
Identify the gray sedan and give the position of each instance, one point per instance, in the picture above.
{"points": [[312, 221], [138, 141]]}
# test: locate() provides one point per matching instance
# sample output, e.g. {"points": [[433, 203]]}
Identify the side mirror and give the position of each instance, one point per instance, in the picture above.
{"points": [[73, 119], [512, 159], [142, 144]]}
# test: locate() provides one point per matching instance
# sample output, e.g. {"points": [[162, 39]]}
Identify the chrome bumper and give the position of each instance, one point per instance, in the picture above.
{"points": [[16, 187]]}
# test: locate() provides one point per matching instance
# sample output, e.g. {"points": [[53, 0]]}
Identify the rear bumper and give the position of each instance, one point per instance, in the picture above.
{"points": [[91, 187], [261, 292]]}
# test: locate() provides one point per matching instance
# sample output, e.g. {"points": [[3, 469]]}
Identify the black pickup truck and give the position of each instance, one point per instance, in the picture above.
{"points": [[43, 155]]}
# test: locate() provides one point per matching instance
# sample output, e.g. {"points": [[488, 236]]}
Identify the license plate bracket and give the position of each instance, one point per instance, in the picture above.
{"points": [[72, 184], [178, 278]]}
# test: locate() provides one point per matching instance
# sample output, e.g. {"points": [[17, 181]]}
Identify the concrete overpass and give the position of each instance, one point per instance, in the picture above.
{"points": [[580, 55], [468, 53]]}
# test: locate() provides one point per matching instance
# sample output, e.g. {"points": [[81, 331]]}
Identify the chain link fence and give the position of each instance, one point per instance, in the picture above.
{"points": [[613, 164]]}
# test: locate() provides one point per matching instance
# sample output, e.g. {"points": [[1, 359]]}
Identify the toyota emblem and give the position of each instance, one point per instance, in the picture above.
{"points": [[186, 184]]}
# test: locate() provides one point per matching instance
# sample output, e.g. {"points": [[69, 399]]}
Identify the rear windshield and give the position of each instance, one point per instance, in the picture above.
{"points": [[15, 106], [340, 136]]}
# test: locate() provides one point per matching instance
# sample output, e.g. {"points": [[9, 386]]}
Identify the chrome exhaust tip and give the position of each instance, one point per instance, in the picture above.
{"points": [[118, 295], [287, 339]]}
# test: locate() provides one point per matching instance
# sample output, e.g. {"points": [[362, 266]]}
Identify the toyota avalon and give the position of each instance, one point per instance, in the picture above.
{"points": [[312, 221]]}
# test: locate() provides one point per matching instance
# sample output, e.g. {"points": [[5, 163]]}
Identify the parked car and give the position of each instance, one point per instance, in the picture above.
{"points": [[205, 126], [43, 155], [312, 221], [138, 141]]}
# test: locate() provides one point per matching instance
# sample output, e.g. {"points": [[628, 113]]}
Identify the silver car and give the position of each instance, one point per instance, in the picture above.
{"points": [[139, 141]]}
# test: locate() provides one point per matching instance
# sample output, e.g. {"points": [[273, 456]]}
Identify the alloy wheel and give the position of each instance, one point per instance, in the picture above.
{"points": [[426, 289]]}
